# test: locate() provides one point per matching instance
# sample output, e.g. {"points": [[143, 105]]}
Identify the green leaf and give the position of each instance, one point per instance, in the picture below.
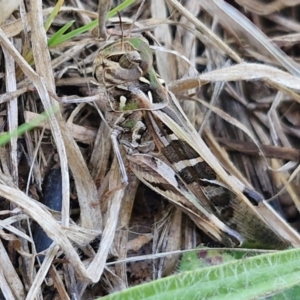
{"points": [[203, 258], [290, 294], [251, 278]]}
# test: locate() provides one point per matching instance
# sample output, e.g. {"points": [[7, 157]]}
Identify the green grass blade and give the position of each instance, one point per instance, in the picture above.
{"points": [[119, 8], [53, 14], [5, 138], [57, 35], [91, 25], [250, 278], [73, 33]]}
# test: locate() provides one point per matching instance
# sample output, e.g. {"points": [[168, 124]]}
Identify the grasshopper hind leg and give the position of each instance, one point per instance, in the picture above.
{"points": [[136, 142]]}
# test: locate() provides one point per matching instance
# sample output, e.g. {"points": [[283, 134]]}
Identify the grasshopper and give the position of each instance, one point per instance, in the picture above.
{"points": [[144, 117]]}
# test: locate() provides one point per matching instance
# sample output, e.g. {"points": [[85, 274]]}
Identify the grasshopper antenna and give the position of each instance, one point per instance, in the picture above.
{"points": [[121, 28]]}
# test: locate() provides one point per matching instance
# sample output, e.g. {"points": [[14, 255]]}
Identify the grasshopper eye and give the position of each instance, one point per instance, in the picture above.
{"points": [[130, 60], [134, 57]]}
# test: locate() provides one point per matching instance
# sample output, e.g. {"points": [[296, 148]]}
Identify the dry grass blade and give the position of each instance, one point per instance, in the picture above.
{"points": [[79, 133], [47, 222], [261, 8], [14, 285], [116, 236], [114, 203], [237, 72], [43, 67], [165, 63], [228, 16], [103, 8], [218, 43], [12, 112], [40, 276], [269, 151]]}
